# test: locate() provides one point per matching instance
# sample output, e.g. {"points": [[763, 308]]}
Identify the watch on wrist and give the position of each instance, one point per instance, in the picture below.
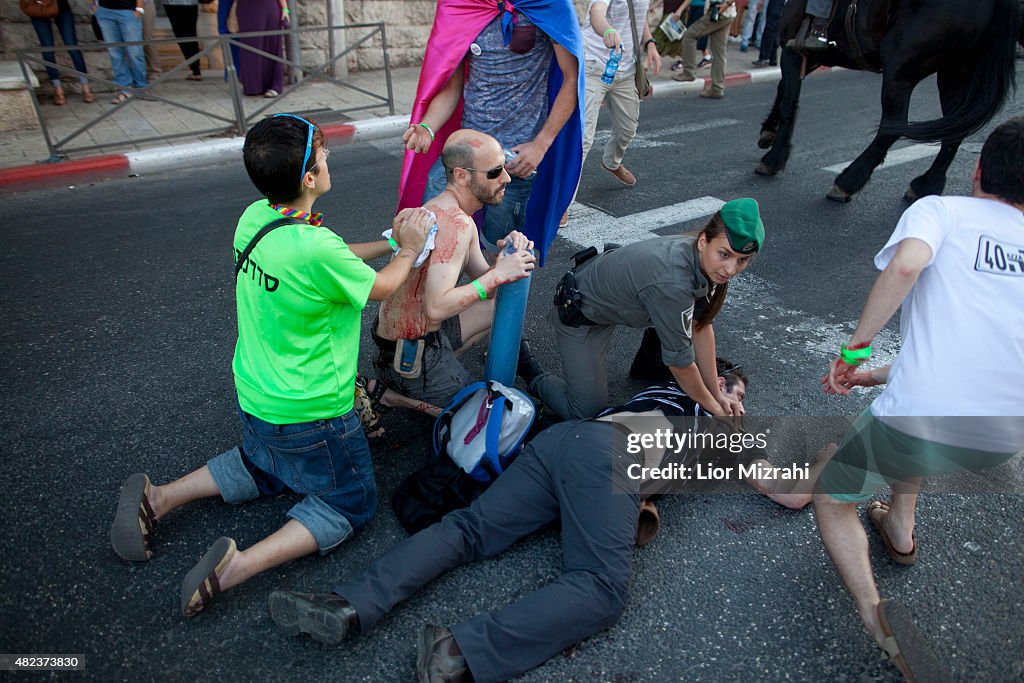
{"points": [[649, 42], [140, 10]]}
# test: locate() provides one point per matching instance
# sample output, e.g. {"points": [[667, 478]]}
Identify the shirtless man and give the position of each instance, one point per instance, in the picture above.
{"points": [[431, 319]]}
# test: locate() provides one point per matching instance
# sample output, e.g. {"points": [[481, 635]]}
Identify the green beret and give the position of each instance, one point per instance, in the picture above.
{"points": [[743, 225]]}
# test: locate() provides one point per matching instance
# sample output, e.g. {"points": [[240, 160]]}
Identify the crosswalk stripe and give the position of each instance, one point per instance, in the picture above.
{"points": [[895, 157], [590, 226]]}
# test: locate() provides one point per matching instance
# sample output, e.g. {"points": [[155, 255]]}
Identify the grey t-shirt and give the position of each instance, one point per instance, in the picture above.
{"points": [[654, 282], [506, 89]]}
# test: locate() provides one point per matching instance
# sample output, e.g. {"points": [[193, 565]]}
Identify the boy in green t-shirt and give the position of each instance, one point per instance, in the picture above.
{"points": [[300, 292]]}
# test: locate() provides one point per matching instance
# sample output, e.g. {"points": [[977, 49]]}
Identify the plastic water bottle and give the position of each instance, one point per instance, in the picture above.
{"points": [[611, 66], [507, 328], [510, 155]]}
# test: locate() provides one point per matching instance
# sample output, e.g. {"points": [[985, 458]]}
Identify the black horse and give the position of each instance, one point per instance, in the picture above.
{"points": [[970, 44]]}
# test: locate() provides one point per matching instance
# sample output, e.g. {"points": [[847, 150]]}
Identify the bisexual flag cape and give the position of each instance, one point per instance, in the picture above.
{"points": [[456, 25]]}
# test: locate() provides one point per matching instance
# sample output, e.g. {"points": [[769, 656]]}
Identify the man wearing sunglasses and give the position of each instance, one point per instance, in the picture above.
{"points": [[300, 290], [427, 324]]}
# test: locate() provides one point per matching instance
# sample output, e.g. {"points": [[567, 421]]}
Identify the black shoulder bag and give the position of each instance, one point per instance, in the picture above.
{"points": [[258, 236]]}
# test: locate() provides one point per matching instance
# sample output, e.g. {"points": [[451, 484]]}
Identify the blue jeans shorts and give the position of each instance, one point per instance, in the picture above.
{"points": [[498, 220], [328, 461]]}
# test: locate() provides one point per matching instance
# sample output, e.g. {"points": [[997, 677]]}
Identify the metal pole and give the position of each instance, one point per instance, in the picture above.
{"points": [[236, 97], [387, 69], [330, 35], [54, 155], [294, 49]]}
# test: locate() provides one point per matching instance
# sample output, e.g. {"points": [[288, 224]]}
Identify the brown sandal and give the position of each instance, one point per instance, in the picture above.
{"points": [[120, 98], [202, 583], [369, 408], [906, 647], [877, 521], [131, 534], [58, 98], [87, 95]]}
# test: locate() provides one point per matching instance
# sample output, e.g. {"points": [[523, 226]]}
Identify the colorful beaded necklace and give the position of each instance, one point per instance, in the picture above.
{"points": [[311, 218]]}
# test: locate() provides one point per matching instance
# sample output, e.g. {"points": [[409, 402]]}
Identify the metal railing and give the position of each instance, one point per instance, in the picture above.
{"points": [[233, 122]]}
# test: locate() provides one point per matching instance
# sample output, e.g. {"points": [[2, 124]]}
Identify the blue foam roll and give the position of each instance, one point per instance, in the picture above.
{"points": [[507, 331]]}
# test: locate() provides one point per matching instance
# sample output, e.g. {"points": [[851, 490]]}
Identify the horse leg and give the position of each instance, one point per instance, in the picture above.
{"points": [[787, 101], [895, 106], [771, 124], [952, 84]]}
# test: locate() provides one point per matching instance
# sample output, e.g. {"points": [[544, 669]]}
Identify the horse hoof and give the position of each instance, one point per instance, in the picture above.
{"points": [[766, 140], [910, 196], [839, 195], [763, 169]]}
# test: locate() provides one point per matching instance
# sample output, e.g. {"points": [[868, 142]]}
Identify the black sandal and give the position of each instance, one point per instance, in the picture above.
{"points": [[369, 408]]}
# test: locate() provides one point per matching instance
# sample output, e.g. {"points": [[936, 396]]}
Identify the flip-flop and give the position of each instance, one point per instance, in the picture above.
{"points": [[202, 583], [131, 534], [877, 522], [905, 647]]}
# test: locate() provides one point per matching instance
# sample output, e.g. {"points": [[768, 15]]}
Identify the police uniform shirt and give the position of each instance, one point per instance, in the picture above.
{"points": [[650, 283]]}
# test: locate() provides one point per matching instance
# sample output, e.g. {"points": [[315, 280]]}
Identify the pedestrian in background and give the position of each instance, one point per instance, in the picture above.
{"points": [[121, 22], [715, 26], [65, 21], [754, 16], [261, 75], [607, 29], [183, 15], [667, 47], [149, 33], [770, 36]]}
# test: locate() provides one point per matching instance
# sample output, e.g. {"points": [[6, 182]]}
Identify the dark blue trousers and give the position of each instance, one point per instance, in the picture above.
{"points": [[564, 473]]}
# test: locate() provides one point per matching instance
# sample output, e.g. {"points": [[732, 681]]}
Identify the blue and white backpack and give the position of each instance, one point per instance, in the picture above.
{"points": [[483, 428]]}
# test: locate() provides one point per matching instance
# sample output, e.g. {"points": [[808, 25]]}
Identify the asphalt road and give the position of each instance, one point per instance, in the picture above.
{"points": [[115, 358]]}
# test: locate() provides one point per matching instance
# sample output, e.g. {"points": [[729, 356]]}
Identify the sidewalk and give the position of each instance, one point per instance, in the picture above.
{"points": [[23, 154]]}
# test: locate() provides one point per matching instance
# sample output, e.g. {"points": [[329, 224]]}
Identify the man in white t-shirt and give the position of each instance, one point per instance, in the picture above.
{"points": [[953, 398], [607, 28]]}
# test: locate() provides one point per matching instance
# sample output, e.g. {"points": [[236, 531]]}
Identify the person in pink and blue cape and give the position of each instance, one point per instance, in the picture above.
{"points": [[512, 70]]}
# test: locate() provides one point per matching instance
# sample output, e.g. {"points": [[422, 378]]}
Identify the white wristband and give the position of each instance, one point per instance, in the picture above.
{"points": [[140, 10]]}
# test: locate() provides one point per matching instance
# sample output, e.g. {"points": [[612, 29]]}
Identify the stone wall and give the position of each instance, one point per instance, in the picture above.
{"points": [[407, 25]]}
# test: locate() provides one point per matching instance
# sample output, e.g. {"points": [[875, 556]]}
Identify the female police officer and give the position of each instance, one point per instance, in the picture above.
{"points": [[676, 284]]}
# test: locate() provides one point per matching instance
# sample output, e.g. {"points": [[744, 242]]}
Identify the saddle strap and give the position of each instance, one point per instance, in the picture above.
{"points": [[851, 36]]}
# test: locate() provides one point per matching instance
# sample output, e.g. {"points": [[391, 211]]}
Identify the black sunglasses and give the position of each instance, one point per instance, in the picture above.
{"points": [[735, 368], [491, 174]]}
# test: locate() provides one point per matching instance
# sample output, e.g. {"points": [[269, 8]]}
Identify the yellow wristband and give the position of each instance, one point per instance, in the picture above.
{"points": [[479, 289]]}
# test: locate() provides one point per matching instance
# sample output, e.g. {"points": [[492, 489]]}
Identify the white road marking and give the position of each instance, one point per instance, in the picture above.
{"points": [[895, 157], [691, 128], [758, 316], [590, 226], [648, 138]]}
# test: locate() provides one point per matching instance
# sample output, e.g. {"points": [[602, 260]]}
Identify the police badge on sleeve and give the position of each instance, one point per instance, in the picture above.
{"points": [[687, 316]]}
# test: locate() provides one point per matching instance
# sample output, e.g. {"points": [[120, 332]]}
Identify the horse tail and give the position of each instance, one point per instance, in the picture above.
{"points": [[993, 81]]}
